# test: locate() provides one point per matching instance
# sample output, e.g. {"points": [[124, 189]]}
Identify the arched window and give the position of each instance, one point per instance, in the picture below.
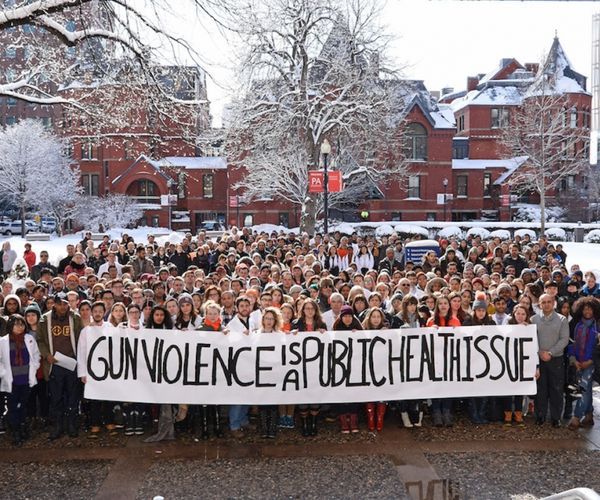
{"points": [[144, 191], [573, 118], [415, 142]]}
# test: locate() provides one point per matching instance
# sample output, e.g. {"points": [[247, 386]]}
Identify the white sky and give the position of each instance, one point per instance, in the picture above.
{"points": [[444, 41]]}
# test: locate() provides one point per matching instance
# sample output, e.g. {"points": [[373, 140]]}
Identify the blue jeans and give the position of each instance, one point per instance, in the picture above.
{"points": [[442, 405], [584, 405], [238, 417]]}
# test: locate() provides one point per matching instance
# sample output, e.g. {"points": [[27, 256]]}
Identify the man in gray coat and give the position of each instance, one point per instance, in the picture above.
{"points": [[553, 337]]}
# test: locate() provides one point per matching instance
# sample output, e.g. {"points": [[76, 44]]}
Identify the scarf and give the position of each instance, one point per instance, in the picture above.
{"points": [[583, 330], [19, 341], [215, 325]]}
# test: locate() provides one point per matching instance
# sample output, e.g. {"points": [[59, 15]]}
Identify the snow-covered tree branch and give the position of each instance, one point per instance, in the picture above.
{"points": [[312, 70], [113, 210], [546, 132], [35, 173]]}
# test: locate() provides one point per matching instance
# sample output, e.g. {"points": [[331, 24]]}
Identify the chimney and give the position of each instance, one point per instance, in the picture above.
{"points": [[533, 67], [472, 82]]}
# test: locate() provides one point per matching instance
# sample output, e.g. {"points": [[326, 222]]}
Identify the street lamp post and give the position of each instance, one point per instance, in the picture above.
{"points": [[445, 182], [325, 151], [169, 186]]}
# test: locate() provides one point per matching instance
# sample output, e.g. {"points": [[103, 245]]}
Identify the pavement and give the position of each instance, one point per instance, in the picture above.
{"points": [[464, 462]]}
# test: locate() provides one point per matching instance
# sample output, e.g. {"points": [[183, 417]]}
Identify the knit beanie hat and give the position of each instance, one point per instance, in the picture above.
{"points": [[185, 298], [34, 308], [346, 310], [13, 297], [480, 302]]}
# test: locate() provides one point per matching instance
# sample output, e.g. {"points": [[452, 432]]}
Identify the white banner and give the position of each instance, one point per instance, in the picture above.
{"points": [[170, 366]]}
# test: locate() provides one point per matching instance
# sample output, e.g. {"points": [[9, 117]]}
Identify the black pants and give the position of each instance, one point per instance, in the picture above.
{"points": [[550, 389], [38, 400], [64, 389], [101, 413], [17, 405]]}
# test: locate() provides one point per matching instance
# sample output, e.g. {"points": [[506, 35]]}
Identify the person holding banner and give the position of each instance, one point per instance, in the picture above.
{"points": [[58, 336], [100, 412], [161, 320], [513, 405], [238, 414], [212, 322], [375, 320], [553, 337], [271, 322], [309, 320], [441, 408]]}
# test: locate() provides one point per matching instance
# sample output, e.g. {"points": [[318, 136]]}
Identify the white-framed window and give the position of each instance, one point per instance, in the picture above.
{"points": [[500, 117], [414, 186]]}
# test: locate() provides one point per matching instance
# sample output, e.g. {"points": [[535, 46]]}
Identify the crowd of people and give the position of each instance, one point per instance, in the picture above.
{"points": [[287, 283]]}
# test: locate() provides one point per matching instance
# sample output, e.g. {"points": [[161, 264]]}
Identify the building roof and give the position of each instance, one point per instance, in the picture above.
{"points": [[492, 94], [509, 163], [193, 162]]}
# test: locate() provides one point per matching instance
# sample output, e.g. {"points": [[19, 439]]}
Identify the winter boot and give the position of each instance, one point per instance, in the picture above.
{"points": [[588, 420], [354, 423], [448, 419], [406, 420], [204, 434], [138, 423], [57, 430], [304, 425], [344, 423], [216, 414], [436, 418], [519, 418], [508, 418], [73, 425], [380, 415], [17, 439], [312, 424], [263, 423], [272, 425], [371, 416], [24, 430], [129, 423], [2, 425], [573, 424], [119, 417], [419, 419]]}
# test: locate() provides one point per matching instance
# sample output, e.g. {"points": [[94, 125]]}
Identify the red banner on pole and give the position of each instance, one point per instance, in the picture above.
{"points": [[316, 184]]}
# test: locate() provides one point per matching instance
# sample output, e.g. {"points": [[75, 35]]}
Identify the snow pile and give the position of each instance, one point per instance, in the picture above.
{"points": [[523, 232], [556, 233], [451, 232], [343, 227], [269, 228], [533, 213], [593, 236], [384, 230], [482, 232], [407, 230], [503, 234]]}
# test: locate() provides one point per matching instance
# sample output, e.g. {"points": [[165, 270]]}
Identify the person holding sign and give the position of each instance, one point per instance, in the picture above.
{"points": [[58, 336], [309, 320], [19, 361], [553, 337], [375, 320], [271, 322]]}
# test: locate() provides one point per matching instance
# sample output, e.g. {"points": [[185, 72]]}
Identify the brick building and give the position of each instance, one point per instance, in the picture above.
{"points": [[456, 168]]}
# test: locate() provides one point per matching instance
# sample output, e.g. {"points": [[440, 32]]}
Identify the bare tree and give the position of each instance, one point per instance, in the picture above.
{"points": [[544, 129], [313, 70]]}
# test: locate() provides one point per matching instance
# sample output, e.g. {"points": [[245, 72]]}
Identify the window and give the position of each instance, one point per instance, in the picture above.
{"points": [[414, 186], [500, 117], [11, 120], [396, 216], [90, 184], [155, 221], [47, 121], [68, 150], [71, 26], [105, 168], [461, 186], [415, 142], [568, 183], [10, 52], [11, 102], [284, 219], [207, 186], [487, 185], [460, 123], [66, 119], [248, 220], [88, 151], [460, 149], [573, 118], [146, 188], [128, 148], [431, 216]]}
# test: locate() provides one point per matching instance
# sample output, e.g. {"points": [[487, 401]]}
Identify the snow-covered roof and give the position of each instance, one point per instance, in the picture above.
{"points": [[194, 162], [516, 163], [492, 94], [509, 163]]}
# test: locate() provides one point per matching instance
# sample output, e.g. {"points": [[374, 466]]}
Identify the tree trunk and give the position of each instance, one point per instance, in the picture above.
{"points": [[542, 213], [22, 211], [307, 217]]}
